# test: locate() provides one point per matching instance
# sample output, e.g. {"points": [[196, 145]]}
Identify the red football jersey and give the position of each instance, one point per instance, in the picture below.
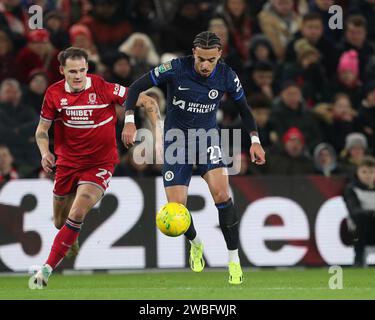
{"points": [[85, 122]]}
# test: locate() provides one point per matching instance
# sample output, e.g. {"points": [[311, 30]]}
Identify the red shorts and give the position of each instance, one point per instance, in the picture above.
{"points": [[67, 179]]}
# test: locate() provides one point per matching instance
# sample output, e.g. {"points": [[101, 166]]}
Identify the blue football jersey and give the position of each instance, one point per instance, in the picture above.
{"points": [[193, 100]]}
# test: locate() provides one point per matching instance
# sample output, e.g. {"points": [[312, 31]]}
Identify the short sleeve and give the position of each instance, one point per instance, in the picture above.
{"points": [[165, 72], [116, 92], [234, 86], [48, 111]]}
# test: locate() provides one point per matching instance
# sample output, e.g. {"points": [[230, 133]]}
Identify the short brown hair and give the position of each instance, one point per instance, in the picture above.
{"points": [[259, 101], [312, 16], [357, 20], [367, 161], [72, 53], [3, 146]]}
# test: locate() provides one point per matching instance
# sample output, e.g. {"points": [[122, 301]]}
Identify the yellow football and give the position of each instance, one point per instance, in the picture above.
{"points": [[173, 219]]}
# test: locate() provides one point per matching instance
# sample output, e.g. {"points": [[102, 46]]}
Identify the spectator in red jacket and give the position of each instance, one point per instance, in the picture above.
{"points": [[73, 10], [38, 54], [81, 37], [290, 158], [107, 23]]}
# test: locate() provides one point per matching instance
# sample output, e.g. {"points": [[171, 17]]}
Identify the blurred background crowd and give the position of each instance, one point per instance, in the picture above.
{"points": [[311, 88]]}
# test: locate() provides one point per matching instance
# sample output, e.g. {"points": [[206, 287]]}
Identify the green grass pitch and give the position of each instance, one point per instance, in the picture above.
{"points": [[210, 284]]}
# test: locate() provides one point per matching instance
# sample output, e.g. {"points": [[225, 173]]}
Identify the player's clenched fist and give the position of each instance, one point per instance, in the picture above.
{"points": [[128, 134], [257, 154], [48, 162]]}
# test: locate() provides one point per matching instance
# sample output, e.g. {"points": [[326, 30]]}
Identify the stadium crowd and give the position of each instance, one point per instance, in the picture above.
{"points": [[311, 88]]}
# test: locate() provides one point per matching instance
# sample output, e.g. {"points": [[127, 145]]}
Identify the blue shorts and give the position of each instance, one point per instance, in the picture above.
{"points": [[204, 158]]}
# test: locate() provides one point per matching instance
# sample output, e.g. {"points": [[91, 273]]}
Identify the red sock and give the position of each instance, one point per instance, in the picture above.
{"points": [[64, 239]]}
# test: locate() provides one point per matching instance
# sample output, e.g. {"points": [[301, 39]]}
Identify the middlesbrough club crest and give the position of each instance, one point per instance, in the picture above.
{"points": [[92, 98]]}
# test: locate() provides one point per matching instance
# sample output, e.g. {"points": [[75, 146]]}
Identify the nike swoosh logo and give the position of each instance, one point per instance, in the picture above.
{"points": [[181, 88]]}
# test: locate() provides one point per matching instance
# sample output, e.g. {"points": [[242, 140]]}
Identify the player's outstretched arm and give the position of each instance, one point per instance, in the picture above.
{"points": [[42, 139], [257, 154]]}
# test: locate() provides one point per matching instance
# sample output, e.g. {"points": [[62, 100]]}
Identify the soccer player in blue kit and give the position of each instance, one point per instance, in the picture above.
{"points": [[195, 86]]}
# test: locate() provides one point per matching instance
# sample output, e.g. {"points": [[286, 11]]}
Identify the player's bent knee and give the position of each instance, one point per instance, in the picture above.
{"points": [[85, 202], [78, 214]]}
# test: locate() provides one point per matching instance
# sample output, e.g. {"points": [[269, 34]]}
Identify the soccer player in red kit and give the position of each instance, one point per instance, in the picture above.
{"points": [[82, 107]]}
